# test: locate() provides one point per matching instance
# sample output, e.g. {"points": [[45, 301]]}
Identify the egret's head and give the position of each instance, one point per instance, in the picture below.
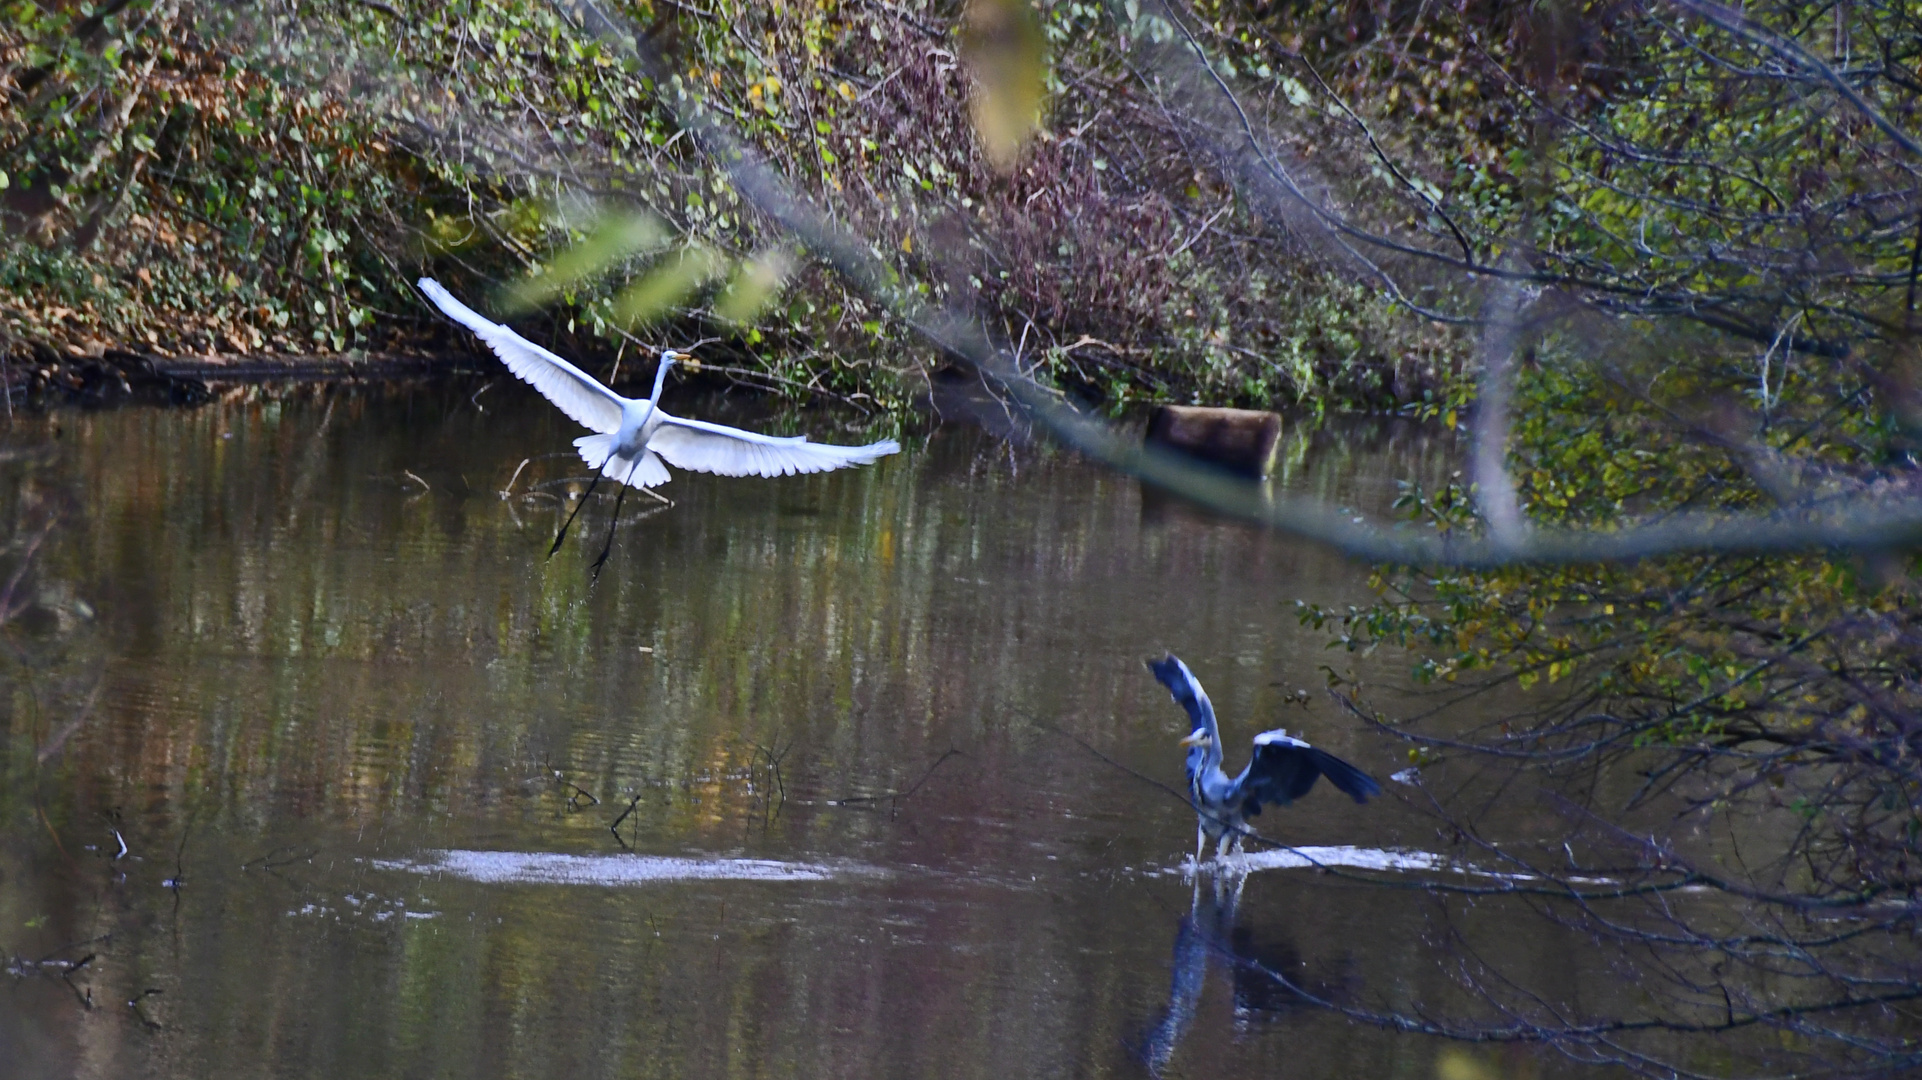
{"points": [[1198, 739], [670, 357]]}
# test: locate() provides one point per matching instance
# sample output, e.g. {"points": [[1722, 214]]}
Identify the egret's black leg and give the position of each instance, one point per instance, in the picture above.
{"points": [[608, 547], [569, 523]]}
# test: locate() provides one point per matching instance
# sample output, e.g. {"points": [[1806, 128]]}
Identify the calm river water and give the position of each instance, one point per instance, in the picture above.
{"points": [[879, 745]]}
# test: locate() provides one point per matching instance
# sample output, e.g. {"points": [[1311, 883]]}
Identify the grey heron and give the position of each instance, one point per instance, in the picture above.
{"points": [[632, 437], [1282, 770]]}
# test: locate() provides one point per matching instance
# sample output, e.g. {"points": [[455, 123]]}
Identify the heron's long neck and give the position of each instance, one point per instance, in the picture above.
{"points": [[1213, 758]]}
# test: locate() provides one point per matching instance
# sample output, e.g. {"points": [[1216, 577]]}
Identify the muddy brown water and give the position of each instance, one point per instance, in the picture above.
{"points": [[879, 743]]}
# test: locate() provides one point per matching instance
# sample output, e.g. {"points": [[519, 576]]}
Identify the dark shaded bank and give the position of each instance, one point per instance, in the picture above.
{"points": [[122, 376]]}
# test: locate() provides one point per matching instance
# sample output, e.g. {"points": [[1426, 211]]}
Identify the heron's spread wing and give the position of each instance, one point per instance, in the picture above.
{"points": [[1351, 781], [1173, 674], [717, 448], [1285, 768], [573, 391]]}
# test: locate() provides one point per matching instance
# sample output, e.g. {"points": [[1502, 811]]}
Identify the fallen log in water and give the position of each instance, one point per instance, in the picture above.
{"points": [[1240, 440]]}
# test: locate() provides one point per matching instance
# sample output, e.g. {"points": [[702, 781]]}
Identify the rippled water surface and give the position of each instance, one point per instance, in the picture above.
{"points": [[844, 775]]}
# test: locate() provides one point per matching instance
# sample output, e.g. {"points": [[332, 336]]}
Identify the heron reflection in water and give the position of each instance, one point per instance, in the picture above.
{"points": [[1282, 770], [1208, 933]]}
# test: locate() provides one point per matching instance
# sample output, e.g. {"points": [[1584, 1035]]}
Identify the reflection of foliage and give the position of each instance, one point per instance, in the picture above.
{"points": [[45, 647]]}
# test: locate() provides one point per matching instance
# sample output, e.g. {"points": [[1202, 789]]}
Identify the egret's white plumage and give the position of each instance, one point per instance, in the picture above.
{"points": [[633, 436]]}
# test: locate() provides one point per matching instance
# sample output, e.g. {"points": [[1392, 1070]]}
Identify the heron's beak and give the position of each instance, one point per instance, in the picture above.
{"points": [[1195, 738], [688, 361]]}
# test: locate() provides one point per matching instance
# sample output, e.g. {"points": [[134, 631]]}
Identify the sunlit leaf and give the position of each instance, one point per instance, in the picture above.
{"points": [[445, 234], [1008, 53], [758, 281], [611, 238], [667, 285], [1454, 1064]]}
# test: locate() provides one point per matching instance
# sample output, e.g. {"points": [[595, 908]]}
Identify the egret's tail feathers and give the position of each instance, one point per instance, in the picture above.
{"points": [[1349, 780], [649, 473], [599, 453], [596, 449]]}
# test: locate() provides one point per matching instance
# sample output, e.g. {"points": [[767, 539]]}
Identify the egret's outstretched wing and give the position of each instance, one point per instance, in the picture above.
{"points": [[1173, 674], [1285, 768], [717, 448], [575, 392]]}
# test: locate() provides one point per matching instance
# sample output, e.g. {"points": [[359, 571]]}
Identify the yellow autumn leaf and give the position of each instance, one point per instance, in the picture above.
{"points": [[1007, 53], [611, 239], [666, 286], [758, 281]]}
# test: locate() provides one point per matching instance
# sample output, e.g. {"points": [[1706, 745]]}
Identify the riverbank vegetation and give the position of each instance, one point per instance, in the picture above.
{"points": [[201, 179], [1659, 260]]}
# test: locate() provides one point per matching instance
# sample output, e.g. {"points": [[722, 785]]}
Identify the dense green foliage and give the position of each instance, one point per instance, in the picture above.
{"points": [[1726, 253], [187, 178]]}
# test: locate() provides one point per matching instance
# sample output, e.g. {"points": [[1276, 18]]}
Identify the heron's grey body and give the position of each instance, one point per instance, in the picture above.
{"points": [[1282, 769]]}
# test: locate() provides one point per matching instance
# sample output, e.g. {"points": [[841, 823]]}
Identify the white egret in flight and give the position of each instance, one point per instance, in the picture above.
{"points": [[632, 436]]}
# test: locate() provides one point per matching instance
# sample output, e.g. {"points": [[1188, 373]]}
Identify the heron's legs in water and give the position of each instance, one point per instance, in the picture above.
{"points": [[562, 535], [608, 547], [1229, 844], [1228, 898]]}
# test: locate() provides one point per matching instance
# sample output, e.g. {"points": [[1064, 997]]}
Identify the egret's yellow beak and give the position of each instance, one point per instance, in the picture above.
{"points": [[1195, 738], [687, 360]]}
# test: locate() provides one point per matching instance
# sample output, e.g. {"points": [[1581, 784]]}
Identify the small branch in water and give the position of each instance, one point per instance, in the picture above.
{"points": [[174, 883], [59, 738], [649, 492], [7, 608], [894, 796], [86, 998], [771, 810], [53, 832], [616, 827], [425, 486], [72, 965], [267, 861], [508, 491], [579, 793], [134, 1004]]}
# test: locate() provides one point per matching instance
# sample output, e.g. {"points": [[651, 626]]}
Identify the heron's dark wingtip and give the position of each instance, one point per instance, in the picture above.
{"points": [[1347, 779], [1365, 790]]}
